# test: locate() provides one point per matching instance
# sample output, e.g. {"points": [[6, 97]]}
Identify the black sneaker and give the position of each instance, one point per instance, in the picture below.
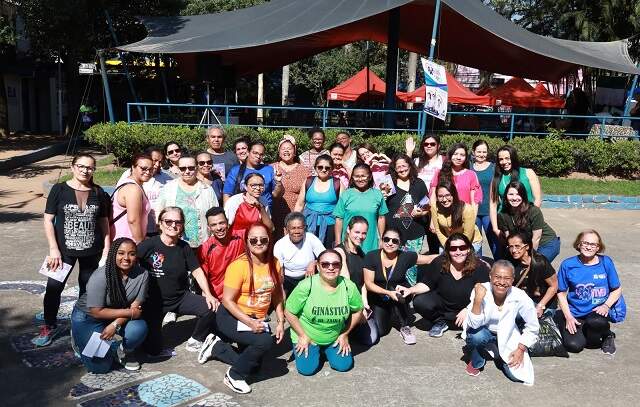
{"points": [[609, 345]]}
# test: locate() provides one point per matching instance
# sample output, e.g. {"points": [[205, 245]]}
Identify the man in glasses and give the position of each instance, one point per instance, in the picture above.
{"points": [[308, 158], [223, 160]]}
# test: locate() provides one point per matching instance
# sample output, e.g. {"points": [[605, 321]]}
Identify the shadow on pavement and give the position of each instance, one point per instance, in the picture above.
{"points": [[12, 217]]}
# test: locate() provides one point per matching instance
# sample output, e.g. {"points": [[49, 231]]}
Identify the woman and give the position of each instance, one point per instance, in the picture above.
{"points": [[253, 164], [508, 170], [173, 152], [293, 175], [241, 148], [318, 199], [194, 197], [336, 150], [442, 294], [131, 207], [484, 170], [455, 170], [364, 200], [170, 260], [533, 273], [588, 287], [112, 305], [491, 326], [518, 214], [385, 276], [247, 208], [208, 176], [378, 162], [314, 331], [76, 225], [252, 285], [408, 207], [450, 215]]}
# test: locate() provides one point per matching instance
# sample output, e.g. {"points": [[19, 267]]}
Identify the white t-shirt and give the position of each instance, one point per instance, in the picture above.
{"points": [[427, 172], [233, 203], [296, 257], [494, 318]]}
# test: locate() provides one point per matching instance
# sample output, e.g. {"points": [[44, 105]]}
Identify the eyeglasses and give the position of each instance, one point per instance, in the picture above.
{"points": [[172, 222], [393, 240], [323, 167], [502, 278], [590, 245], [176, 151], [330, 264], [85, 168], [429, 144], [187, 168], [203, 163], [446, 196], [145, 169], [458, 248], [256, 186], [254, 241], [516, 247]]}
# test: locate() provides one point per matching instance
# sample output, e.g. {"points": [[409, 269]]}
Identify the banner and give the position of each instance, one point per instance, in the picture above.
{"points": [[437, 95]]}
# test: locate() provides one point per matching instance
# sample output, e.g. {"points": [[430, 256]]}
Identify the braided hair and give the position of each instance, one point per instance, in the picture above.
{"points": [[115, 288]]}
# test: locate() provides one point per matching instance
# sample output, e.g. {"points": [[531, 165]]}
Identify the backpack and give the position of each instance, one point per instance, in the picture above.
{"points": [[336, 184]]}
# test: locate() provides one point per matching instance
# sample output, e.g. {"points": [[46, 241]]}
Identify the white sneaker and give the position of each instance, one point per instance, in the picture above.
{"points": [[169, 317], [239, 386], [207, 348], [193, 345]]}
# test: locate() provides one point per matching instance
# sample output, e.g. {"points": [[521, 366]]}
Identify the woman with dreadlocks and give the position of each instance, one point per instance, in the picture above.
{"points": [[112, 307]]}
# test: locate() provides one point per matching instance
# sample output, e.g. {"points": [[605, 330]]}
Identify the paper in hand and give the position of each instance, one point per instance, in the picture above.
{"points": [[60, 274], [96, 347]]}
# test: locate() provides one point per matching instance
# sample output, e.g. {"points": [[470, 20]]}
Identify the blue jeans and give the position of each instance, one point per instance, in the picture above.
{"points": [[551, 249], [478, 340], [310, 364], [484, 224], [84, 325]]}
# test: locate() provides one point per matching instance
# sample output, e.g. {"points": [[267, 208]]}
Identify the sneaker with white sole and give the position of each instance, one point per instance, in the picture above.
{"points": [[193, 345], [169, 317], [127, 360], [207, 348], [239, 386], [472, 371], [74, 347], [407, 335], [46, 336], [609, 345], [438, 329]]}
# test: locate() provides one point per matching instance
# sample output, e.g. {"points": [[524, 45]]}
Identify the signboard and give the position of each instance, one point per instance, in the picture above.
{"points": [[436, 98], [87, 68]]}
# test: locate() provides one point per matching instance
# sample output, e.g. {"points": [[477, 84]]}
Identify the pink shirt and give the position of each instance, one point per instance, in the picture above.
{"points": [[121, 227], [465, 182]]}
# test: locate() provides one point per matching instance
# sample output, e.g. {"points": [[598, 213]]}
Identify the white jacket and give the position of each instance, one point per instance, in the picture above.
{"points": [[509, 336], [205, 200]]}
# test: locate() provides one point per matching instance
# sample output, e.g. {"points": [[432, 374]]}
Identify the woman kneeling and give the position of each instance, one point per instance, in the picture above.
{"points": [[322, 310], [112, 305]]}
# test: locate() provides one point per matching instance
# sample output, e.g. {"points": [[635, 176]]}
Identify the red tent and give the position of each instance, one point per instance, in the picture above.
{"points": [[458, 93], [518, 93], [356, 86]]}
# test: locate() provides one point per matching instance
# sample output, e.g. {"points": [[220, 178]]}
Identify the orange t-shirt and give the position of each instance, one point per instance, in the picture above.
{"points": [[238, 277]]}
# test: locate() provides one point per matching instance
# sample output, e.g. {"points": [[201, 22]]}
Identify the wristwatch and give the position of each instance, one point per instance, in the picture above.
{"points": [[116, 325]]}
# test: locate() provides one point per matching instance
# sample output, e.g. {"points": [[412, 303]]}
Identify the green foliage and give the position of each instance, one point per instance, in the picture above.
{"points": [[193, 7], [551, 156]]}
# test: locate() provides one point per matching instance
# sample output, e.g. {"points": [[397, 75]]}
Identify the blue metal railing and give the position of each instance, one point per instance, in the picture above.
{"points": [[505, 124]]}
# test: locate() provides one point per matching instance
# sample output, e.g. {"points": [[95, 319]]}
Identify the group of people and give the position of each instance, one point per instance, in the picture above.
{"points": [[311, 241]]}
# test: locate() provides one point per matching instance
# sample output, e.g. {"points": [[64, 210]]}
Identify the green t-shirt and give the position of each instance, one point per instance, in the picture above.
{"points": [[370, 204], [187, 202], [323, 314]]}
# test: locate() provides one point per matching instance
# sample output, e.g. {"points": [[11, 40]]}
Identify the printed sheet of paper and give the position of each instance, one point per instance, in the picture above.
{"points": [[60, 274], [96, 347]]}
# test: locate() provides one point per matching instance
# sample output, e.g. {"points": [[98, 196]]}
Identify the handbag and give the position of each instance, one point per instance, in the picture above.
{"points": [[618, 312], [549, 340]]}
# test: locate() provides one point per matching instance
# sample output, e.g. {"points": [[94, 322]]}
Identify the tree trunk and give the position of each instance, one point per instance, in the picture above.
{"points": [[260, 116], [285, 88], [411, 74], [4, 110]]}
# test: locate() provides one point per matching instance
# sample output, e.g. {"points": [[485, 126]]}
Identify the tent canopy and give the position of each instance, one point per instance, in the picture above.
{"points": [[270, 35], [458, 93], [518, 93], [356, 86]]}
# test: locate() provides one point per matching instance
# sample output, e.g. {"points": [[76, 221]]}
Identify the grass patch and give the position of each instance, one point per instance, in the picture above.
{"points": [[565, 186], [102, 176], [104, 161]]}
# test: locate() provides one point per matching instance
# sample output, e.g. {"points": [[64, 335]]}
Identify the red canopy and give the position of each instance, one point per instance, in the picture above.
{"points": [[356, 86], [518, 93], [458, 93]]}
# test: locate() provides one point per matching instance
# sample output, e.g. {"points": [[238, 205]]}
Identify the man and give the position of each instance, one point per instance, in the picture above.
{"points": [[491, 319], [308, 158], [215, 139], [349, 157], [297, 251]]}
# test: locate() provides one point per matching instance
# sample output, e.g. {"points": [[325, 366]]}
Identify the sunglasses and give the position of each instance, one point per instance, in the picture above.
{"points": [[189, 168], [176, 151], [262, 240], [203, 163], [393, 240], [429, 144], [145, 169], [330, 264], [458, 248], [172, 222]]}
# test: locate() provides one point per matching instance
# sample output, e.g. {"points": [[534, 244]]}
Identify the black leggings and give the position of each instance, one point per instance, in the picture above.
{"points": [[385, 311], [51, 303], [430, 306], [593, 329]]}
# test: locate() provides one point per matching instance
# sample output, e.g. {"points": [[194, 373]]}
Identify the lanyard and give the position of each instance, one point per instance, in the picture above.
{"points": [[384, 269]]}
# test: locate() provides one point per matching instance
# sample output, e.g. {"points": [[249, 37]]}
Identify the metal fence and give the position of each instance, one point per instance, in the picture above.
{"points": [[505, 124]]}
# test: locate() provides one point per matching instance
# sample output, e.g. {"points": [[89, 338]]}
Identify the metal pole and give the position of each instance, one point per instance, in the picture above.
{"points": [[391, 78], [627, 105], [61, 130], [513, 118], [432, 50], [105, 86]]}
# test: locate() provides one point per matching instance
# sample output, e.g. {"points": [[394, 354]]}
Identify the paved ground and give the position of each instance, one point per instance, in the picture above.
{"points": [[428, 373]]}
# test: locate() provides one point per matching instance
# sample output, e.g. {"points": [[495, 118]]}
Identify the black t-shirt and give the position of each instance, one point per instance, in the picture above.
{"points": [[400, 205], [78, 231], [395, 276], [169, 268], [454, 293], [534, 284], [355, 262]]}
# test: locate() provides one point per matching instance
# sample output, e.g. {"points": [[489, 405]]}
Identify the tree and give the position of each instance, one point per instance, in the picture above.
{"points": [[7, 43]]}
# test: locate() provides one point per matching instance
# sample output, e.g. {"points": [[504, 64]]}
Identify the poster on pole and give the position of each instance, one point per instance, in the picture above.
{"points": [[435, 79]]}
